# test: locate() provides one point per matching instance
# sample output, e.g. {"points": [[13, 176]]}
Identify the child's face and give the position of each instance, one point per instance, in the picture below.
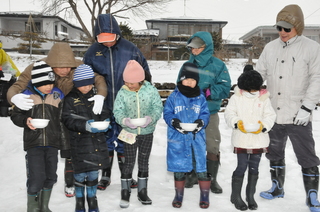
{"points": [[189, 82], [46, 89], [133, 86], [85, 89]]}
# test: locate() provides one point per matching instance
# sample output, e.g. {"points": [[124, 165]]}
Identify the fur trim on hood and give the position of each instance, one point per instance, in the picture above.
{"points": [[292, 14]]}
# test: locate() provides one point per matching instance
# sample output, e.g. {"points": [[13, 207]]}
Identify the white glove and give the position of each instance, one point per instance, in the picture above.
{"points": [[302, 118], [22, 101], [98, 103]]}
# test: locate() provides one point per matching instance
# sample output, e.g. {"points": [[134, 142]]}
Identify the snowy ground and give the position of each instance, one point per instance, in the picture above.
{"points": [[161, 184]]}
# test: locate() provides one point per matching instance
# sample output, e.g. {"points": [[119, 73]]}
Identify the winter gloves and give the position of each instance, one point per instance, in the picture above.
{"points": [[239, 125], [149, 120], [22, 101], [91, 129], [98, 103], [260, 128], [303, 116], [176, 124], [126, 121], [199, 126]]}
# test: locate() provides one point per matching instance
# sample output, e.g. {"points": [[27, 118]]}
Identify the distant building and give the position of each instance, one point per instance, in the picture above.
{"points": [[52, 28]]}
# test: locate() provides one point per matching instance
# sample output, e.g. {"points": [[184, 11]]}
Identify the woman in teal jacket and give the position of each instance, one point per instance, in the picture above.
{"points": [[136, 99], [216, 83]]}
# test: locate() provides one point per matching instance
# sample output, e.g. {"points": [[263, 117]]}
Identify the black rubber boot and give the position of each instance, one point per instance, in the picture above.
{"points": [[251, 190], [236, 199], [278, 171], [33, 203], [125, 191], [69, 178], [80, 200], [44, 199], [106, 174], [121, 160], [191, 179], [311, 184], [179, 188], [91, 187], [212, 168], [204, 185], [143, 188]]}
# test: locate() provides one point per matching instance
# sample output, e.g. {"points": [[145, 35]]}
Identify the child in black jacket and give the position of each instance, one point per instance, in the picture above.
{"points": [[41, 144], [89, 151]]}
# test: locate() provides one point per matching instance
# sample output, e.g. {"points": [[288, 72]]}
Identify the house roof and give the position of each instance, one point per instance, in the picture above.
{"points": [[186, 19], [25, 14]]}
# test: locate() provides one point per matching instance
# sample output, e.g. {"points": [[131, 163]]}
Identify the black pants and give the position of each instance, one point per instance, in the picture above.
{"points": [[247, 160], [41, 165], [144, 144]]}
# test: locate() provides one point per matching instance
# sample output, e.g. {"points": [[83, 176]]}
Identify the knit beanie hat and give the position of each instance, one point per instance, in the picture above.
{"points": [[133, 72], [250, 80], [42, 74], [189, 70], [83, 75]]}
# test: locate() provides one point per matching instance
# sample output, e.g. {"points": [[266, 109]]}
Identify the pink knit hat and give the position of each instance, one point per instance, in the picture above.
{"points": [[133, 72]]}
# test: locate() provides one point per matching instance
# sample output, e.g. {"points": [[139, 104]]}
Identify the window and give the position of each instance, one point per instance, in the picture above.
{"points": [[64, 29], [33, 26]]}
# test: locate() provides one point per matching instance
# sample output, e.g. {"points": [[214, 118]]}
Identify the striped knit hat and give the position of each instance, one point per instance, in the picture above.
{"points": [[83, 75], [42, 74]]}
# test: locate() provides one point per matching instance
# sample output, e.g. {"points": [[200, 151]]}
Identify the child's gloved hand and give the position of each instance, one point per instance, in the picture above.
{"points": [[89, 128], [176, 124], [260, 128], [109, 127], [199, 126], [127, 122], [241, 126], [147, 122]]}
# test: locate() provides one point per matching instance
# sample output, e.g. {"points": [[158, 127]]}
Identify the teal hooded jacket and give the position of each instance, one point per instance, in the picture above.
{"points": [[213, 73]]}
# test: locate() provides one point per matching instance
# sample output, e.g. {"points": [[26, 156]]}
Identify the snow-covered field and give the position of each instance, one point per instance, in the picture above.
{"points": [[161, 184]]}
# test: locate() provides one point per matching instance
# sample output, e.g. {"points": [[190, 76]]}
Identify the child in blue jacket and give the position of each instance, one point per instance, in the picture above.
{"points": [[187, 150]]}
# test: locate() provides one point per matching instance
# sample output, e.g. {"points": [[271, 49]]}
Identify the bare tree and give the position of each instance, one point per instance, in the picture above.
{"points": [[257, 44], [134, 8]]}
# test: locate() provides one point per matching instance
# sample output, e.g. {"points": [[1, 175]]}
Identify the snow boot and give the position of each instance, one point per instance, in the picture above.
{"points": [[236, 199], [212, 168], [80, 201], [44, 198], [69, 178], [121, 160], [251, 190], [311, 184], [204, 185], [33, 203], [191, 179], [91, 187], [142, 188], [106, 174], [179, 187], [125, 191], [278, 171]]}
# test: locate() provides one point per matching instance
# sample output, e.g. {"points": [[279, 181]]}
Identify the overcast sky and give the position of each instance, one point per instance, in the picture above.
{"points": [[242, 15]]}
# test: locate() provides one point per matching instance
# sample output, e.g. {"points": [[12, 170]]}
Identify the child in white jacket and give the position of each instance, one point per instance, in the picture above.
{"points": [[250, 114]]}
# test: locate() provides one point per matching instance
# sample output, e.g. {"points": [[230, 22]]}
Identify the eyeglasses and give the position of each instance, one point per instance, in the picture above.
{"points": [[279, 28]]}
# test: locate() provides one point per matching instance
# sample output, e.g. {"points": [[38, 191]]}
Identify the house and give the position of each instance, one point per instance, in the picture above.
{"points": [[270, 33], [173, 33], [51, 28]]}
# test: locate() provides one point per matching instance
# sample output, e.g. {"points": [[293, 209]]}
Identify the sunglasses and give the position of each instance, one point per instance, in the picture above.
{"points": [[279, 28]]}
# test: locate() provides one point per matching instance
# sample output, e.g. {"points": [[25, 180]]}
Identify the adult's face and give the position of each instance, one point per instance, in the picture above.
{"points": [[62, 72], [285, 36], [109, 44]]}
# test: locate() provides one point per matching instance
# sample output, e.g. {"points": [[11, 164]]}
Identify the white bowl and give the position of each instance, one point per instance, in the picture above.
{"points": [[138, 122], [251, 127], [39, 123], [100, 125], [188, 126]]}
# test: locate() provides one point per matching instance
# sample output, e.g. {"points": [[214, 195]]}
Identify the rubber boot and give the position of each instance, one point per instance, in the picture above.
{"points": [[121, 160], [80, 200], [33, 203], [179, 187], [236, 199], [69, 178], [106, 174], [311, 184], [278, 171], [91, 187], [143, 188], [212, 168], [251, 190], [191, 179], [204, 185], [125, 190], [44, 199]]}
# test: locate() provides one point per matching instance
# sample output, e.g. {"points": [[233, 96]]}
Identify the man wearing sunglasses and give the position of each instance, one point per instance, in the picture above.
{"points": [[291, 67]]}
